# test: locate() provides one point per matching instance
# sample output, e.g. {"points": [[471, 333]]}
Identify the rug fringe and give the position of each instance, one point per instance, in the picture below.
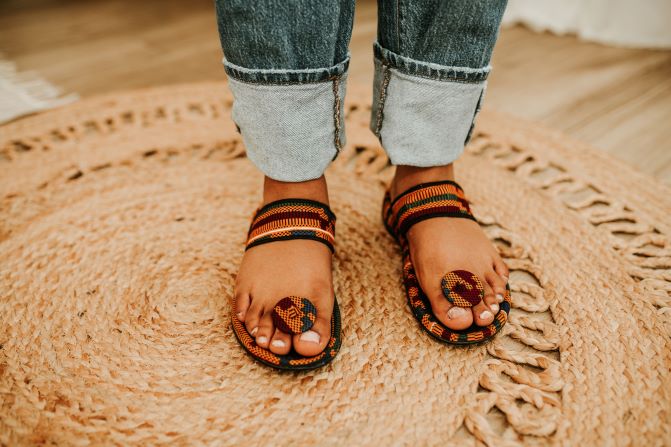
{"points": [[22, 93]]}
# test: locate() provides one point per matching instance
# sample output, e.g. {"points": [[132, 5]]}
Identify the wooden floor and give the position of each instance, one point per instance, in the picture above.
{"points": [[619, 100]]}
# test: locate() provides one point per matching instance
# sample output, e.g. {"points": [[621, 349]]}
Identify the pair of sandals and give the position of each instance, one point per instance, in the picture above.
{"points": [[305, 219]]}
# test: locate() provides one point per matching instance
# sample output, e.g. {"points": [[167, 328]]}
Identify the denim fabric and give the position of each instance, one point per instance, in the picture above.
{"points": [[288, 41], [291, 133], [429, 70], [422, 121], [283, 76], [451, 33], [288, 59]]}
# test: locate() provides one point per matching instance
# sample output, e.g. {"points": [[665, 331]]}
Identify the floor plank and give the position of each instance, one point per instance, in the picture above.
{"points": [[616, 99]]}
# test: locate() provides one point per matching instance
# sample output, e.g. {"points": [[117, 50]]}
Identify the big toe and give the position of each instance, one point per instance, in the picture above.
{"points": [[454, 317], [313, 341]]}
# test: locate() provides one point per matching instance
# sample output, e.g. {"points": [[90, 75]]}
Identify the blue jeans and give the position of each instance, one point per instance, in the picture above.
{"points": [[287, 64]]}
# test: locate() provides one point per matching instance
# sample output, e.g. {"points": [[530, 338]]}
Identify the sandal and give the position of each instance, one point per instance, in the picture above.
{"points": [[460, 287], [280, 221]]}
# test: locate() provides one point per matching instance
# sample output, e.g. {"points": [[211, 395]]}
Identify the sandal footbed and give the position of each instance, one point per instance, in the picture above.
{"points": [[420, 305], [291, 361]]}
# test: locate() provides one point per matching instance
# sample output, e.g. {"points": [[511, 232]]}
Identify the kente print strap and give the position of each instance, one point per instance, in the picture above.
{"points": [[292, 219], [425, 201]]}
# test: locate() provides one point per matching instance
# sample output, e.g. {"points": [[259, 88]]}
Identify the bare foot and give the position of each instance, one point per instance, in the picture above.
{"points": [[272, 271], [443, 244]]}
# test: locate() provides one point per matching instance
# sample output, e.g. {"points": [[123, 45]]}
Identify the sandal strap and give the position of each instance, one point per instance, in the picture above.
{"points": [[289, 219], [425, 201]]}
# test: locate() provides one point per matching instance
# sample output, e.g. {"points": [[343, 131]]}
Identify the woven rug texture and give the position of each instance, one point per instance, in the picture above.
{"points": [[122, 224]]}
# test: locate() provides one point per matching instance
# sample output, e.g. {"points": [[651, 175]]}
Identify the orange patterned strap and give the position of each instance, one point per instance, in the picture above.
{"points": [[292, 219], [425, 201]]}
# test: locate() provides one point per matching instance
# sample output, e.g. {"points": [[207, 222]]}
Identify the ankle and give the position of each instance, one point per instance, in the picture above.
{"points": [[409, 176], [312, 190]]}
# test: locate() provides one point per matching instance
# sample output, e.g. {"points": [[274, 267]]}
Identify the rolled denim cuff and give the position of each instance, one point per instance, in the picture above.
{"points": [[292, 131], [285, 76], [423, 113]]}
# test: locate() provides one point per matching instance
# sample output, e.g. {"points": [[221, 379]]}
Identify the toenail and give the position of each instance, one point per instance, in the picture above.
{"points": [[499, 298], [456, 312], [485, 315], [494, 307], [310, 337], [278, 343], [253, 332], [262, 340], [240, 316]]}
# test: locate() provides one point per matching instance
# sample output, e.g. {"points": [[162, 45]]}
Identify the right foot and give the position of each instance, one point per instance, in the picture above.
{"points": [[445, 244], [270, 272]]}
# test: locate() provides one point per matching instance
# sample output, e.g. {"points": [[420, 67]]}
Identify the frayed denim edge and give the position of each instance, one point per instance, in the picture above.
{"points": [[278, 76], [379, 99], [338, 117]]}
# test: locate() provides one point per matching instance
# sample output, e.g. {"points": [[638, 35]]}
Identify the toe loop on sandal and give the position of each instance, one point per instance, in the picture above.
{"points": [[462, 288], [294, 315]]}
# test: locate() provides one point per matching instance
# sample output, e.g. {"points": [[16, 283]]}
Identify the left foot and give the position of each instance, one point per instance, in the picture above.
{"points": [[299, 267], [444, 244]]}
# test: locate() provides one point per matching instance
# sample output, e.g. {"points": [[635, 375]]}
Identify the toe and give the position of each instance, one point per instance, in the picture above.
{"points": [[253, 317], [483, 312], [454, 317], [242, 302], [266, 330], [501, 269], [280, 343], [498, 286], [314, 341]]}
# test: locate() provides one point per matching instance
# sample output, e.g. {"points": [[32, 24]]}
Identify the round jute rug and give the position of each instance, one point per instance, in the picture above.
{"points": [[122, 223]]}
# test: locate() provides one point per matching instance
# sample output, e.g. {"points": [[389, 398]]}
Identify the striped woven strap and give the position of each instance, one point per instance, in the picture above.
{"points": [[425, 201], [292, 219]]}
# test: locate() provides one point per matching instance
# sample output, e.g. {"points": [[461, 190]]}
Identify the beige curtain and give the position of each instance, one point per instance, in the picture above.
{"points": [[631, 23]]}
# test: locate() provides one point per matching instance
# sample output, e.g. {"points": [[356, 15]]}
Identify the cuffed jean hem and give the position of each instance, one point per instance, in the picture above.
{"points": [[285, 76], [423, 113], [291, 132], [427, 69]]}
